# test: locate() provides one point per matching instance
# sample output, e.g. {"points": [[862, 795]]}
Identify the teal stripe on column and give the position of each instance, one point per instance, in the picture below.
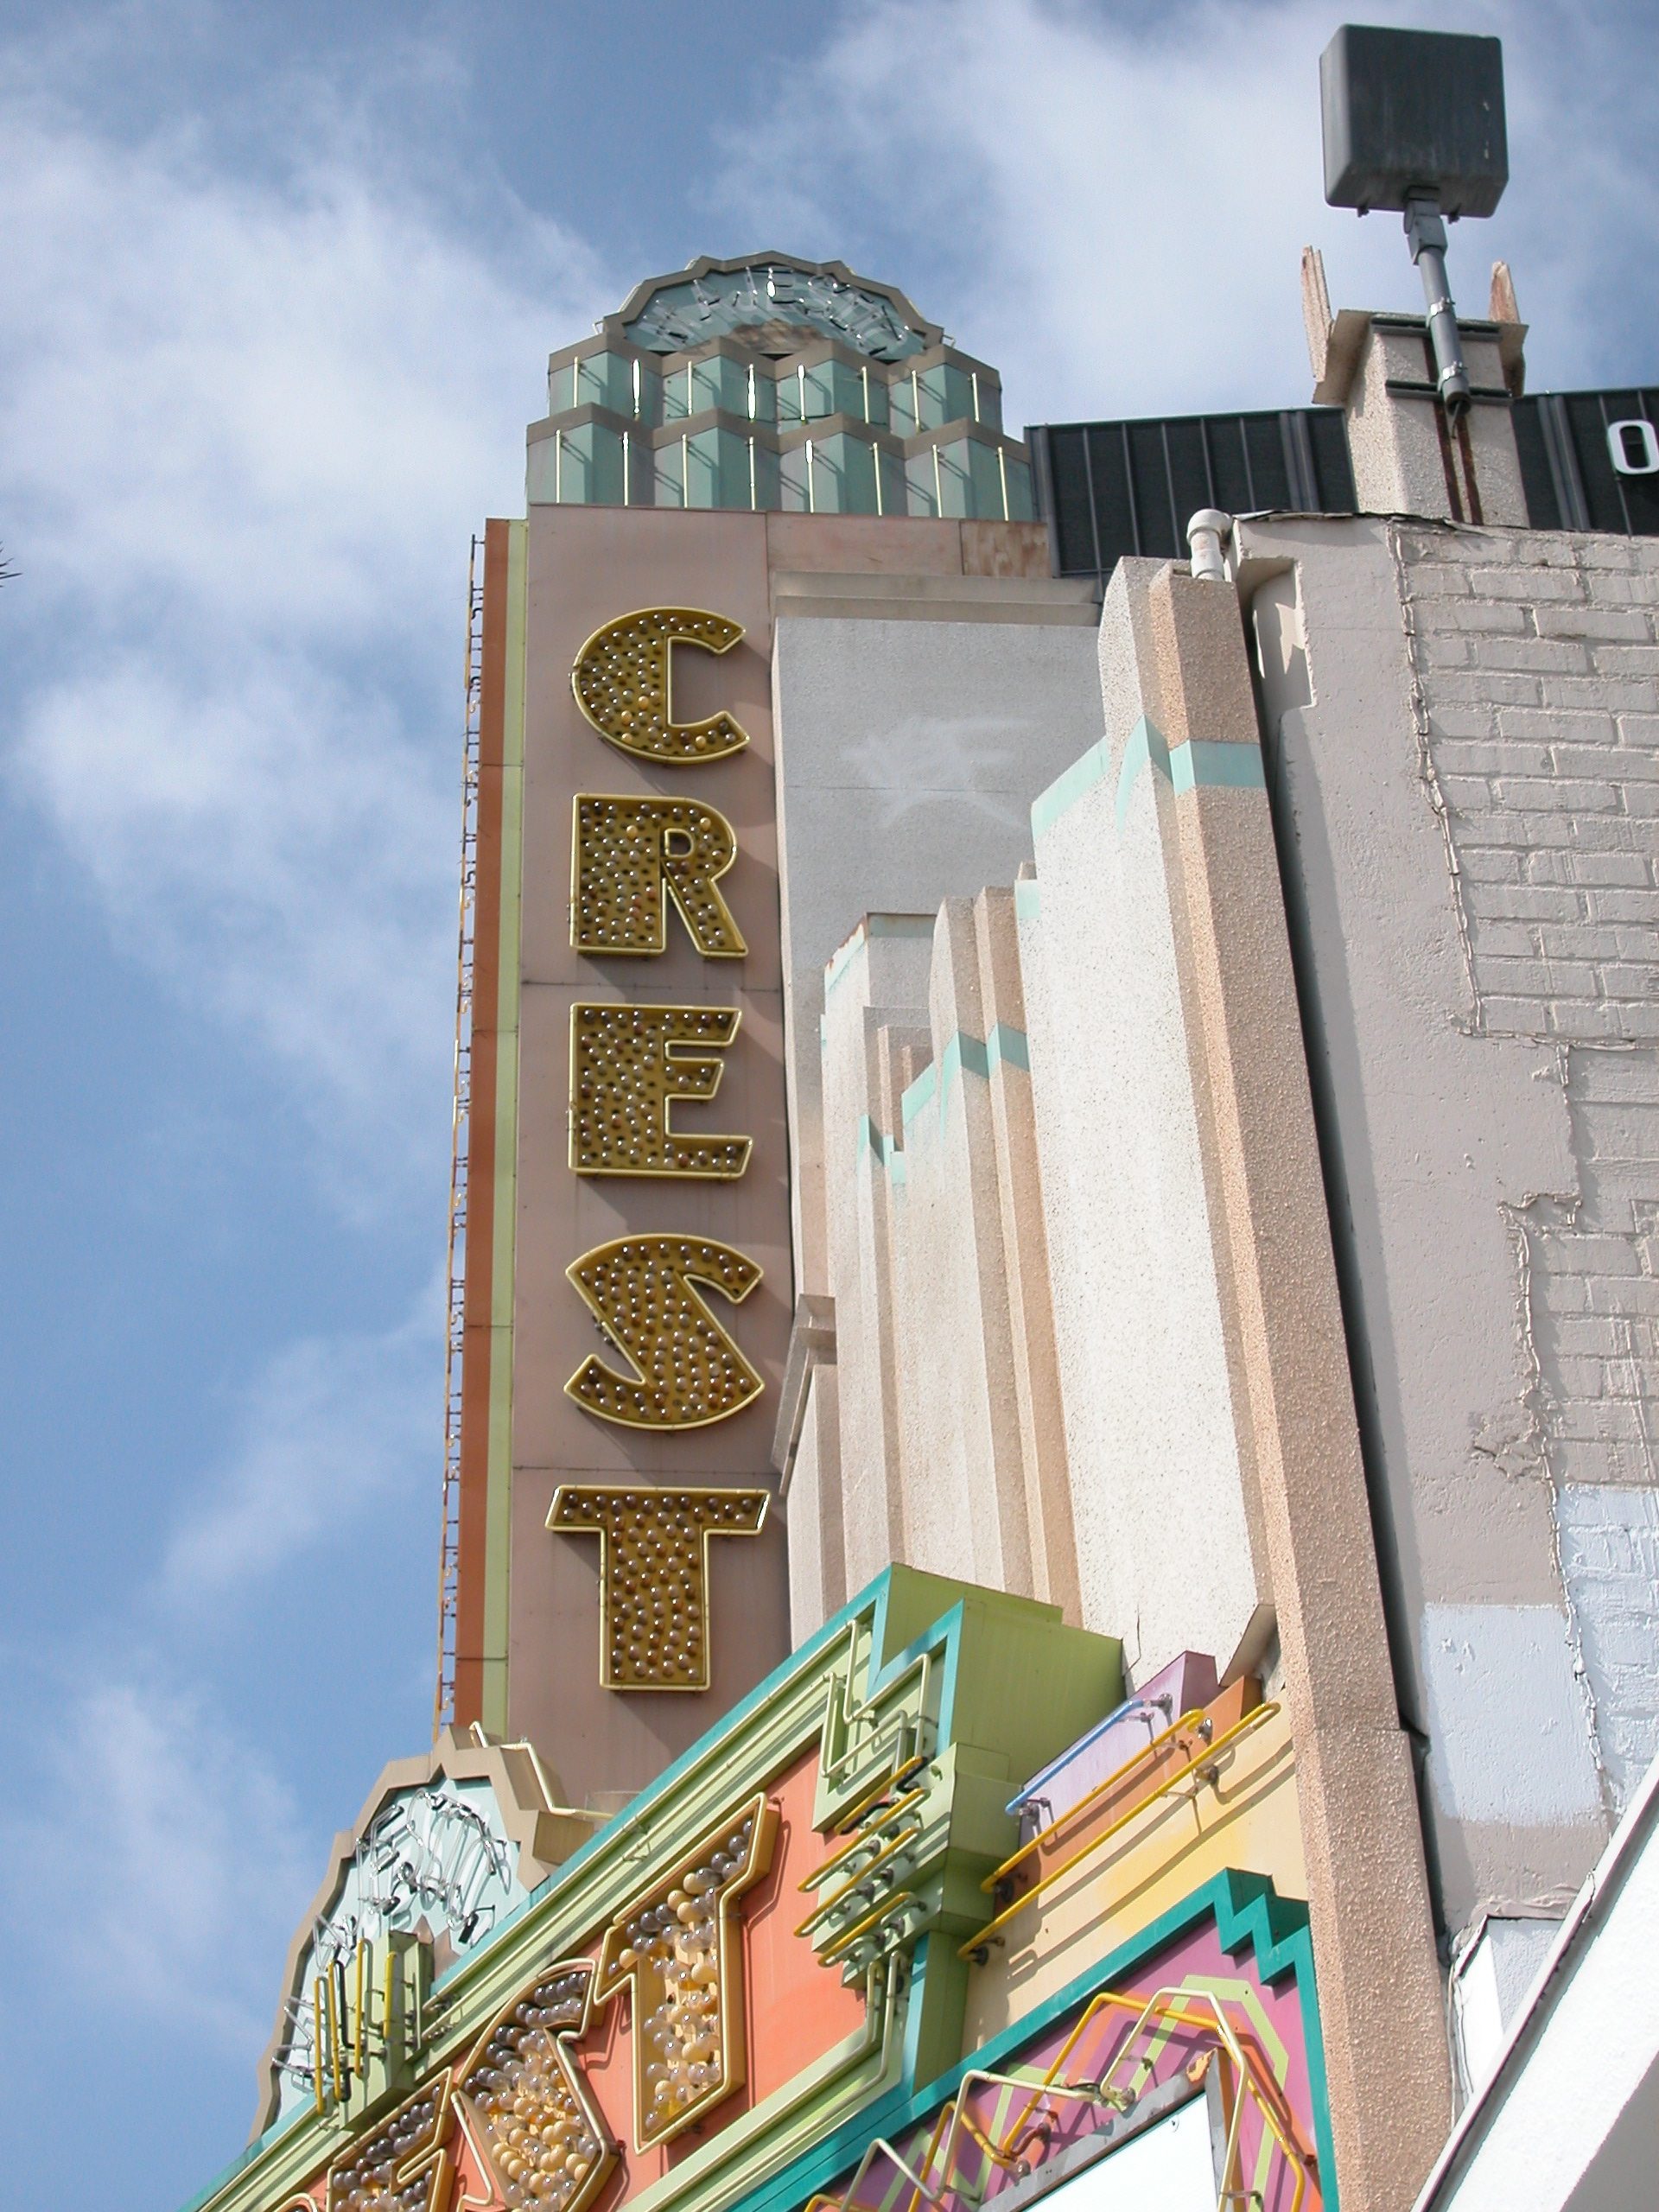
{"points": [[1225, 768]]}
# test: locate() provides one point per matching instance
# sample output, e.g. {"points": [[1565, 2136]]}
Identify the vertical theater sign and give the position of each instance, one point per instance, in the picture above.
{"points": [[631, 1066]]}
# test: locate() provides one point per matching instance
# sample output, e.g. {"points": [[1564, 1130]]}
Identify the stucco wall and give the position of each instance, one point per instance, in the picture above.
{"points": [[1463, 724]]}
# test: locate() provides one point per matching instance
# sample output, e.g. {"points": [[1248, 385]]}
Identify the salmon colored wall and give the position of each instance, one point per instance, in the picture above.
{"points": [[794, 2009]]}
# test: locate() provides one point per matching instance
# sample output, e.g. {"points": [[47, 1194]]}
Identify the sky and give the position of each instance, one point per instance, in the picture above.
{"points": [[277, 285]]}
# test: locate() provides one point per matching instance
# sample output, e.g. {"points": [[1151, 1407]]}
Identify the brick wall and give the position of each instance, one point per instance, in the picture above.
{"points": [[1536, 669]]}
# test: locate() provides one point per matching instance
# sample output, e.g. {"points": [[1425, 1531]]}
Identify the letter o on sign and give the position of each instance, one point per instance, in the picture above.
{"points": [[1634, 446]]}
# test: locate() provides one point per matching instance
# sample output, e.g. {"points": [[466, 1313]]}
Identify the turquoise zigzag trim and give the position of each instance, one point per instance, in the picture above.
{"points": [[1249, 1916]]}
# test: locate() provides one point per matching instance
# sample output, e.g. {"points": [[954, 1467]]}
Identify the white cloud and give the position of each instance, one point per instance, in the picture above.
{"points": [[164, 1866], [1110, 203], [334, 1430], [246, 431]]}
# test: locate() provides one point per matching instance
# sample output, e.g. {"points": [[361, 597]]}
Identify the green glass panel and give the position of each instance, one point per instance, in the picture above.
{"points": [[605, 380], [668, 466], [891, 466], [561, 388], [954, 478], [717, 470], [789, 396], [1022, 507], [676, 395], [768, 482], [843, 476], [590, 467], [922, 498], [792, 479], [947, 395], [542, 471], [818, 386], [990, 401], [983, 466], [720, 383]]}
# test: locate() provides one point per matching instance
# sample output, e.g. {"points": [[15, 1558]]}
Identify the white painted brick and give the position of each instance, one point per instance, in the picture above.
{"points": [[1488, 755], [1622, 979], [1518, 940], [1570, 940], [1609, 1562], [1490, 617], [1619, 763], [1596, 1022], [1580, 726], [1599, 549], [1471, 795], [1547, 751], [1532, 901], [1624, 660], [1507, 1017], [1437, 580], [1614, 694], [1555, 620], [1490, 688], [1549, 656], [1445, 720], [1619, 905], [1581, 794], [1482, 867], [1532, 582]]}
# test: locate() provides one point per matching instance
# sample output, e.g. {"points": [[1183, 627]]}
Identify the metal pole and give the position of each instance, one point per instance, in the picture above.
{"points": [[1426, 233]]}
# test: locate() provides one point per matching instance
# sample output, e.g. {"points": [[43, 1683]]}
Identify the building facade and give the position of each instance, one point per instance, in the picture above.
{"points": [[1050, 1526]]}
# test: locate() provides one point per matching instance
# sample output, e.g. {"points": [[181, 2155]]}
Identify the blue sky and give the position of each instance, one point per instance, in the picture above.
{"points": [[277, 284]]}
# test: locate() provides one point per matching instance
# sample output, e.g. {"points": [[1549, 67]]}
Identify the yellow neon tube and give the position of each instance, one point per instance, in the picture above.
{"points": [[825, 1906], [856, 1843], [849, 1937], [1010, 1912], [1187, 1723]]}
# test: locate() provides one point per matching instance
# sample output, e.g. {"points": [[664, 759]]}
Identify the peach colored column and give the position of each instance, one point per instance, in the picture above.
{"points": [[1380, 1996]]}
